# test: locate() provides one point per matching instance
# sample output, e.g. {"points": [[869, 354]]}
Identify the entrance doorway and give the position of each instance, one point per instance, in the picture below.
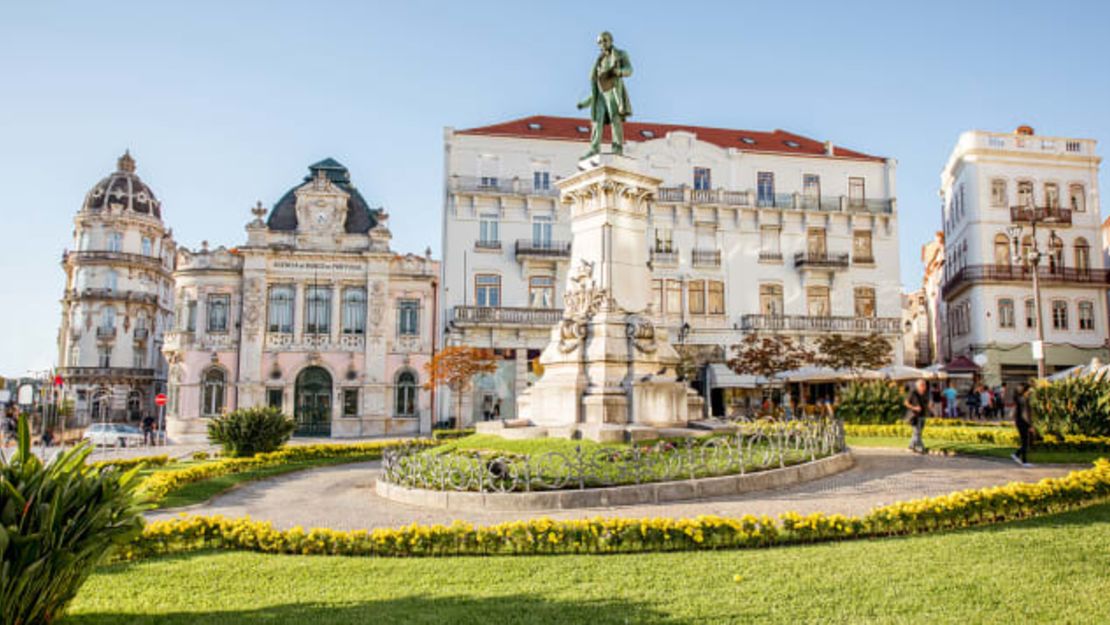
{"points": [[312, 410]]}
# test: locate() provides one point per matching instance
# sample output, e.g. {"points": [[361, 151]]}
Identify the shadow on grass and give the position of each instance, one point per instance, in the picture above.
{"points": [[414, 609]]}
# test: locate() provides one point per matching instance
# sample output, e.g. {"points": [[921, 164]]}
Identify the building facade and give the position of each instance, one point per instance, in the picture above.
{"points": [[314, 314], [991, 183], [750, 232], [932, 258], [118, 301]]}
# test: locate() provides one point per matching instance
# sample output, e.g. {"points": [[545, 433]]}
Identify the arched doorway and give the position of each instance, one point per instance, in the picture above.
{"points": [[312, 409]]}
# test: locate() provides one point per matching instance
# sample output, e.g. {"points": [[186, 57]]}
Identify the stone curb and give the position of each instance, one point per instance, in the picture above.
{"points": [[652, 493]]}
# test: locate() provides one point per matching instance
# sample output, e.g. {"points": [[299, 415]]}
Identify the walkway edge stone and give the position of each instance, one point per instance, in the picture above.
{"points": [[656, 492]]}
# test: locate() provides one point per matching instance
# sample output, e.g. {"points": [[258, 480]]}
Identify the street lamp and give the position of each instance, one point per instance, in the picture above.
{"points": [[1034, 260]]}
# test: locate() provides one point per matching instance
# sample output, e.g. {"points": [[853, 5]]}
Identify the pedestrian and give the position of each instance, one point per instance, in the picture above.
{"points": [[973, 403], [986, 401], [1001, 401], [1023, 421], [951, 409], [936, 401], [917, 409], [148, 430]]}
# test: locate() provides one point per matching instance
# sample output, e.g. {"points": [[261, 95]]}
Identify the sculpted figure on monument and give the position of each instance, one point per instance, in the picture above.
{"points": [[608, 101], [583, 297]]}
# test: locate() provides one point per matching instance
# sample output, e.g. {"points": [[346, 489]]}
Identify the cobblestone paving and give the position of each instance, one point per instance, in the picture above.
{"points": [[343, 497]]}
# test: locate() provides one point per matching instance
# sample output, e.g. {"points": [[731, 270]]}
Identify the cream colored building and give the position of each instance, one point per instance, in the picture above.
{"points": [[118, 300], [314, 314], [750, 232], [988, 183]]}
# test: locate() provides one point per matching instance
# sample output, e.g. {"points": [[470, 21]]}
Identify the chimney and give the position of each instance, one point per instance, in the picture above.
{"points": [[829, 149], [1024, 130]]}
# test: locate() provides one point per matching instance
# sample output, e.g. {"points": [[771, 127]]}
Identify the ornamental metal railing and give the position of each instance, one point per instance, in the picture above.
{"points": [[545, 248], [1056, 215], [821, 259], [705, 257], [491, 184], [978, 274], [753, 447], [112, 294], [816, 323], [109, 256], [491, 315]]}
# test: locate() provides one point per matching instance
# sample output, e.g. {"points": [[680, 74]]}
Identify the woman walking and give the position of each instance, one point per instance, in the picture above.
{"points": [[1024, 424]]}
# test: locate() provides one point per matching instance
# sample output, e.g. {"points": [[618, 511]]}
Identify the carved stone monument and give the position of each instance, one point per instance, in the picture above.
{"points": [[609, 373]]}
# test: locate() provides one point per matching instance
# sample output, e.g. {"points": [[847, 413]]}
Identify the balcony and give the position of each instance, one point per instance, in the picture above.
{"points": [[861, 259], [105, 256], [820, 260], [661, 256], [706, 258], [487, 246], [141, 334], [112, 294], [496, 185], [534, 248], [686, 195], [1053, 215], [490, 316], [806, 323], [796, 201], [770, 257], [983, 274], [106, 333], [73, 375]]}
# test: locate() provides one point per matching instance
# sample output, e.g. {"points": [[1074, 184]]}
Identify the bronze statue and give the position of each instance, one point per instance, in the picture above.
{"points": [[608, 101]]}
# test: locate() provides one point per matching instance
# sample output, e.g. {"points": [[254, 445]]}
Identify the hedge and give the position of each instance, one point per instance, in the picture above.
{"points": [[616, 535], [995, 436], [128, 463]]}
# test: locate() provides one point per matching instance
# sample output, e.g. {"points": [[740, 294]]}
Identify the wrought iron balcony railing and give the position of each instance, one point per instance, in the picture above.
{"points": [[487, 245], [542, 248], [489, 184], [87, 373], [706, 258], [979, 274], [1055, 215], [821, 260], [664, 255], [807, 323], [493, 316], [105, 333], [770, 257]]}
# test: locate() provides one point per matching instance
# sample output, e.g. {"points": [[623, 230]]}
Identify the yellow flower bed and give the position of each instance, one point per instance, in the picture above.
{"points": [[128, 463], [160, 484], [993, 435], [616, 535]]}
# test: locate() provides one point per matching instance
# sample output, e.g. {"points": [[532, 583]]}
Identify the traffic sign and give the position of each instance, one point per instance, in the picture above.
{"points": [[58, 380], [160, 399]]}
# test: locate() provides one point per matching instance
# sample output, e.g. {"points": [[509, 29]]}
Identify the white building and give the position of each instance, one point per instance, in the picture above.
{"points": [[751, 231], [118, 300], [988, 182]]}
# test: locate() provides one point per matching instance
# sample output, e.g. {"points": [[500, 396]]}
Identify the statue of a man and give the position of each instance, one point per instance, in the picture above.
{"points": [[608, 101]]}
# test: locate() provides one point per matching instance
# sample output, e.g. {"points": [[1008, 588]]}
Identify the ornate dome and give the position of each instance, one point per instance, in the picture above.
{"points": [[360, 217], [125, 188]]}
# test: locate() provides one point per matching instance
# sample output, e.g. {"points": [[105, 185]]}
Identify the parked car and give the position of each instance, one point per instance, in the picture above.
{"points": [[113, 435]]}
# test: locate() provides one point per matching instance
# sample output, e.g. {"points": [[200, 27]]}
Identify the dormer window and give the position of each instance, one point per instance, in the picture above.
{"points": [[648, 134], [790, 143], [747, 140], [534, 126], [583, 129]]}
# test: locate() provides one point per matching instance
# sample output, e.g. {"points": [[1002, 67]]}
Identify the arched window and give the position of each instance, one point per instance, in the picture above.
{"points": [[212, 393], [1001, 250], [1077, 198], [405, 394], [1082, 255]]}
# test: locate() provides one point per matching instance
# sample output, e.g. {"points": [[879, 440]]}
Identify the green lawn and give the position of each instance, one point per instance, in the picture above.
{"points": [[1048, 570], [980, 449], [532, 446]]}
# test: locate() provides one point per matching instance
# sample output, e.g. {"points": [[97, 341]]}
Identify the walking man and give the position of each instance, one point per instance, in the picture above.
{"points": [[951, 409], [1024, 424], [917, 409]]}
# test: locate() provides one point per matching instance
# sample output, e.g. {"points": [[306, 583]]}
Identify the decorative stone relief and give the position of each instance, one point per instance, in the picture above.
{"points": [[377, 303], [642, 332], [583, 298], [252, 305]]}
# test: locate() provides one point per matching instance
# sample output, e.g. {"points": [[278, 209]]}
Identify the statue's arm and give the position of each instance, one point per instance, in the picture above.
{"points": [[587, 102], [626, 65]]}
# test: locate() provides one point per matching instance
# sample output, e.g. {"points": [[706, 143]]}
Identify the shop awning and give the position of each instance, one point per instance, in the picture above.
{"points": [[720, 376]]}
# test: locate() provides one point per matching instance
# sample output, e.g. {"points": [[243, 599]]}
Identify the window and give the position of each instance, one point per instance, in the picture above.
{"points": [[856, 195], [104, 356], [663, 240], [108, 317], [138, 358], [1055, 253], [811, 190], [1059, 314], [74, 355], [488, 167], [541, 231], [765, 188], [191, 316], [674, 297], [1024, 193], [354, 310], [861, 247], [115, 241], [408, 317], [815, 242], [657, 296], [275, 397], [998, 192], [1082, 255], [317, 310], [405, 395], [487, 289], [280, 314], [865, 301], [769, 242], [696, 297], [1001, 250], [1005, 313], [716, 298], [216, 309], [489, 227], [212, 393], [1026, 248], [1086, 316], [1051, 195], [541, 180], [111, 280], [1030, 314], [817, 301], [1077, 198], [702, 179], [770, 299], [541, 292], [350, 402]]}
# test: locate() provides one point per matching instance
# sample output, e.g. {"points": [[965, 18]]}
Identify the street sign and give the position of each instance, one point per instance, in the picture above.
{"points": [[1038, 350], [58, 380], [160, 399], [26, 395]]}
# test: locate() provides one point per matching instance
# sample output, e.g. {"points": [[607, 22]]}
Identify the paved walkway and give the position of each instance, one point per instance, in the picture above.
{"points": [[343, 497]]}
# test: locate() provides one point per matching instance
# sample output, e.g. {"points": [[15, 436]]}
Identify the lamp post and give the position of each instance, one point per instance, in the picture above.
{"points": [[1034, 261]]}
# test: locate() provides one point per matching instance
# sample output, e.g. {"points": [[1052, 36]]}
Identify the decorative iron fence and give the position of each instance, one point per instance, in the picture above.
{"points": [[754, 447]]}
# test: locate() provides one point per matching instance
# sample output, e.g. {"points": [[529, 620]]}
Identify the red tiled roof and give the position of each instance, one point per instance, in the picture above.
{"points": [[575, 129]]}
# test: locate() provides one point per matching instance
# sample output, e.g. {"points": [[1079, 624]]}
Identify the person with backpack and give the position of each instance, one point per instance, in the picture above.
{"points": [[917, 409]]}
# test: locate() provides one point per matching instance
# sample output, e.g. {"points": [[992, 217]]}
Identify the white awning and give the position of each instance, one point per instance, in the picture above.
{"points": [[720, 376]]}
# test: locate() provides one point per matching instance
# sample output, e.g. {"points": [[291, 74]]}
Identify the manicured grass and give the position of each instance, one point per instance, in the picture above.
{"points": [[531, 447], [980, 449], [1048, 570]]}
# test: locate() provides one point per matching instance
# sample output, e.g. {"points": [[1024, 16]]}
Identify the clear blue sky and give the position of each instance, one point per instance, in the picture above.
{"points": [[225, 103]]}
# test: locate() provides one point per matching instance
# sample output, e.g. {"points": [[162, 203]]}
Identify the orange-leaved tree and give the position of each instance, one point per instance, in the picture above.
{"points": [[455, 367]]}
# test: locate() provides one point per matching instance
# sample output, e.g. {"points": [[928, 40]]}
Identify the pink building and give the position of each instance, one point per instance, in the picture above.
{"points": [[314, 314]]}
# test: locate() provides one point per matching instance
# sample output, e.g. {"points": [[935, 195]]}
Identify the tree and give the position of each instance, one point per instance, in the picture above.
{"points": [[455, 367], [853, 353], [767, 355]]}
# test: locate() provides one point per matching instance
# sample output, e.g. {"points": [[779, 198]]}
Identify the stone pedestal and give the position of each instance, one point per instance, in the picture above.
{"points": [[607, 370]]}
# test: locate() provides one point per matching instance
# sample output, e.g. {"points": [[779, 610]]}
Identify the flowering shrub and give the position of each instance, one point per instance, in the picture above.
{"points": [[127, 463], [615, 535], [993, 435], [1079, 405], [160, 484]]}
